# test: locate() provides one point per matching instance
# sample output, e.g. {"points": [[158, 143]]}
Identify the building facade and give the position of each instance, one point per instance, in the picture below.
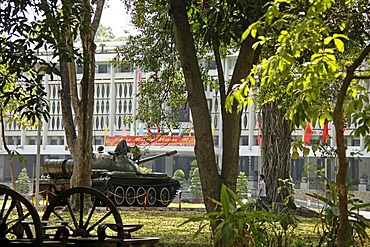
{"points": [[115, 100]]}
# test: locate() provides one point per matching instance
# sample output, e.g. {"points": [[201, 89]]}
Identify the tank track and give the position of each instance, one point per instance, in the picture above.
{"points": [[160, 195]]}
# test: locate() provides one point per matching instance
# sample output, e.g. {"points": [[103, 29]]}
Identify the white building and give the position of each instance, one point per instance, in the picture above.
{"points": [[115, 98]]}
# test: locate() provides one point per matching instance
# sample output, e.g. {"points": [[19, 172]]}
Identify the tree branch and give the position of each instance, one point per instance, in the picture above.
{"points": [[97, 16], [359, 77]]}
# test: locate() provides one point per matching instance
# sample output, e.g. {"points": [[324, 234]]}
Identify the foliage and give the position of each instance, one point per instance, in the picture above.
{"points": [[193, 165], [20, 66], [152, 51], [195, 184], [235, 223], [319, 49], [23, 182], [212, 30], [242, 185], [313, 68], [179, 175], [104, 34], [22, 97], [282, 229], [144, 170], [329, 222]]}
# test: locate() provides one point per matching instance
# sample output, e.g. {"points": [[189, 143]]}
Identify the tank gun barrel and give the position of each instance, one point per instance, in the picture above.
{"points": [[144, 160]]}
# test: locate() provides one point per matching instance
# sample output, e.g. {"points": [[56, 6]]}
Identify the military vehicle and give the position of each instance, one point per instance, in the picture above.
{"points": [[117, 175]]}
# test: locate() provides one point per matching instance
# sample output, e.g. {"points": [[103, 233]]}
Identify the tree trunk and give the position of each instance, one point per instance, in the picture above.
{"points": [[79, 96], [275, 152], [8, 151], [204, 148], [231, 121], [231, 129], [342, 188]]}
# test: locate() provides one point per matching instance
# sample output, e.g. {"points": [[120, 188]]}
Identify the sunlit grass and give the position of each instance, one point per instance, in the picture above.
{"points": [[164, 223]]}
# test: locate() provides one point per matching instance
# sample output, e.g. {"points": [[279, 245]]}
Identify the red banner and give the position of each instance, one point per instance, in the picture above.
{"points": [[151, 141]]}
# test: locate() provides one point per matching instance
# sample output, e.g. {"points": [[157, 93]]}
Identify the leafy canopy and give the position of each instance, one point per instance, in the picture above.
{"points": [[311, 44]]}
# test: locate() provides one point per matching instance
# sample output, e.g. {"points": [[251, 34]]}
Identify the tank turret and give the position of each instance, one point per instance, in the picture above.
{"points": [[118, 174]]}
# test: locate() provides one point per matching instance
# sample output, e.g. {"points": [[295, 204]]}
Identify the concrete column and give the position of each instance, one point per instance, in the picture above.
{"points": [[45, 125], [134, 131], [168, 166], [251, 121], [112, 103], [2, 168]]}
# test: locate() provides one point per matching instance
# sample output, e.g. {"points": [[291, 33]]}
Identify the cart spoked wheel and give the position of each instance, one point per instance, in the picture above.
{"points": [[83, 220], [17, 217]]}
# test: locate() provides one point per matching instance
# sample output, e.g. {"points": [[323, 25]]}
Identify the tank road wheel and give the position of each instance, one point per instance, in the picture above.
{"points": [[16, 216], [119, 195], [151, 196], [82, 224], [140, 196], [165, 196], [130, 196]]}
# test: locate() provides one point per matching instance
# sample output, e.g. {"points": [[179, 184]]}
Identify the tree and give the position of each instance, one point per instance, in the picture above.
{"points": [[242, 185], [193, 166], [104, 33], [195, 187], [322, 77], [23, 182], [179, 175], [61, 25], [192, 41], [22, 97]]}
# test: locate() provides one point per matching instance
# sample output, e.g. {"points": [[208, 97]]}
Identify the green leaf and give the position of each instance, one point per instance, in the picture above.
{"points": [[246, 33], [335, 36], [281, 65], [306, 151], [327, 40], [295, 155], [225, 201], [339, 44], [254, 32]]}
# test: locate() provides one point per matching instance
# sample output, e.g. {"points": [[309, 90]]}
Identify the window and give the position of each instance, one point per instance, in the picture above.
{"points": [[183, 113], [244, 141], [79, 70], [123, 68], [355, 142], [208, 64], [103, 68], [10, 140], [232, 63]]}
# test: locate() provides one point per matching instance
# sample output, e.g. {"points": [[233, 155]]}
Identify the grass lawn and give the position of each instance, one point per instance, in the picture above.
{"points": [[165, 225]]}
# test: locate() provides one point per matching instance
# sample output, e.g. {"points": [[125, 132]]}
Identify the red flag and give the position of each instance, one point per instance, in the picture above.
{"points": [[307, 134], [259, 129], [344, 125], [138, 74], [325, 133]]}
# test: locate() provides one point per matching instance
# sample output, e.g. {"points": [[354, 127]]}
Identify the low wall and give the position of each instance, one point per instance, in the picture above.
{"points": [[301, 194]]}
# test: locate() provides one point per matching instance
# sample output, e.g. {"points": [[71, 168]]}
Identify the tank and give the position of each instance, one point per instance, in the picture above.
{"points": [[118, 175]]}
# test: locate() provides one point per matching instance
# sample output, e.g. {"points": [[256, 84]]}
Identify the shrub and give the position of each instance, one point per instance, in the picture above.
{"points": [[193, 165], [235, 224], [242, 185], [179, 175], [23, 182], [195, 185]]}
